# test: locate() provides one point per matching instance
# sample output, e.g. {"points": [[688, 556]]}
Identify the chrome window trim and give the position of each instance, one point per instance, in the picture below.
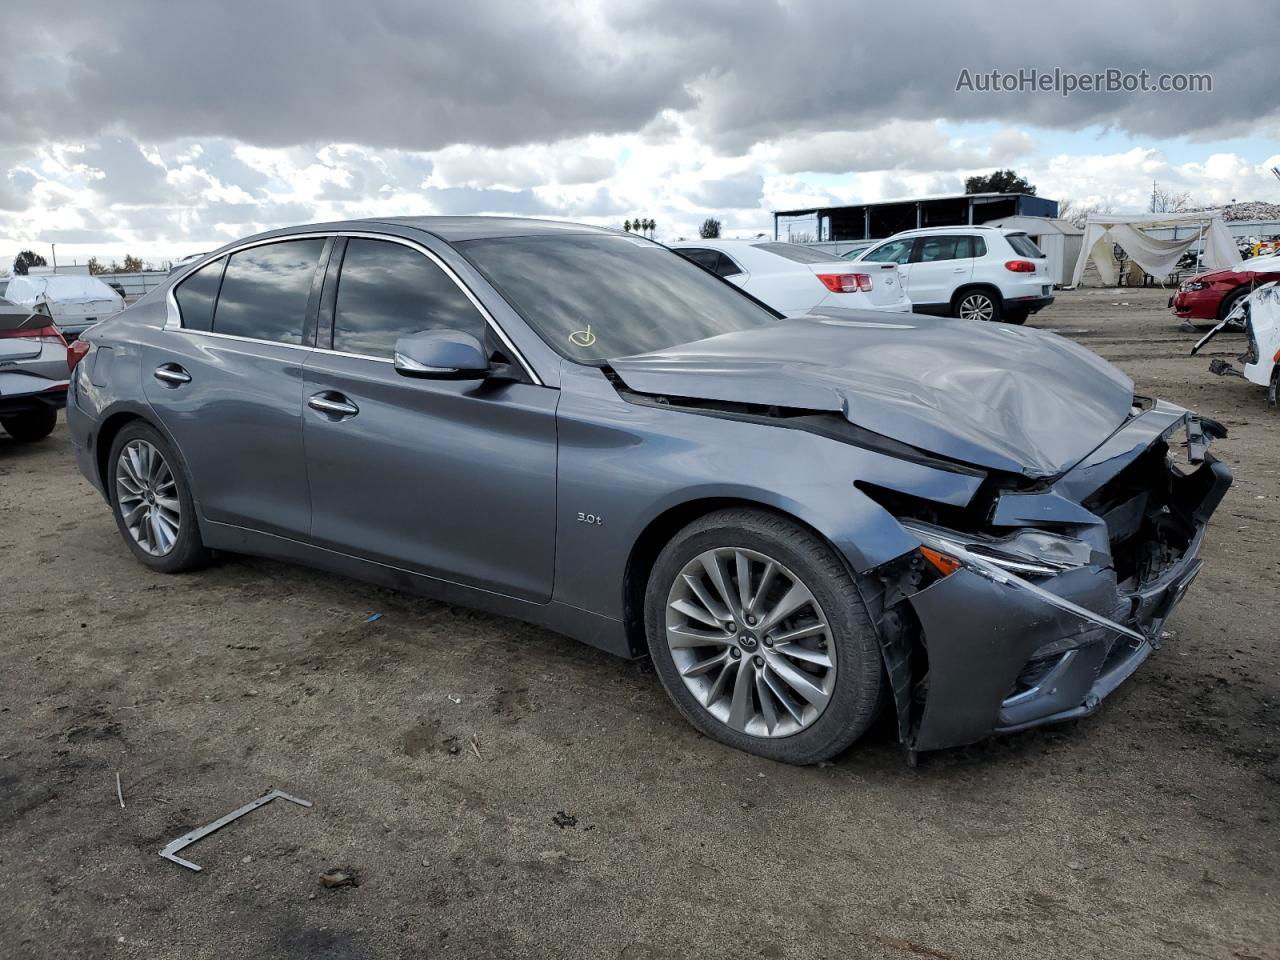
{"points": [[173, 317]]}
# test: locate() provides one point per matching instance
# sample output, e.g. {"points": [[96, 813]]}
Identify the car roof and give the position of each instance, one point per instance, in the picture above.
{"points": [[456, 229], [957, 228]]}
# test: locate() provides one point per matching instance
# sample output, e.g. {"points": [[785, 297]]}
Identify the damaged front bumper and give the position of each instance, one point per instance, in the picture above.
{"points": [[982, 650]]}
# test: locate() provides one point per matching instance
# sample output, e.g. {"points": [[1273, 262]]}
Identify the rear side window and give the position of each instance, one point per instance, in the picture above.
{"points": [[942, 248], [703, 258], [1024, 246], [726, 267], [197, 294], [387, 290], [797, 253], [265, 291], [977, 247]]}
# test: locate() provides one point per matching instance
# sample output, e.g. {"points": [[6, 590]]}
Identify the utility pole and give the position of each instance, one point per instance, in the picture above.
{"points": [[53, 249]]}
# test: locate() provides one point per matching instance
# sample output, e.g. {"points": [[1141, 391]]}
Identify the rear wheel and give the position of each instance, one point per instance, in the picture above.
{"points": [[32, 425], [152, 502], [761, 639], [977, 305]]}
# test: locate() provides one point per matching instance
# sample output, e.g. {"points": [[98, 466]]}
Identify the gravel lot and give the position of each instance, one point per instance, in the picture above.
{"points": [[503, 792]]}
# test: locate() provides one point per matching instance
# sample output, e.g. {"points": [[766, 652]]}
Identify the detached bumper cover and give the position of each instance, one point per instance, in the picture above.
{"points": [[1002, 659]]}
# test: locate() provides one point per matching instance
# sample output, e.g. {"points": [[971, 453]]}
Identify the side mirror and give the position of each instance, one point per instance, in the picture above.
{"points": [[441, 355]]}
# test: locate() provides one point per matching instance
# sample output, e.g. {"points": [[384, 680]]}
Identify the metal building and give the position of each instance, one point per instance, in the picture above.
{"points": [[874, 221]]}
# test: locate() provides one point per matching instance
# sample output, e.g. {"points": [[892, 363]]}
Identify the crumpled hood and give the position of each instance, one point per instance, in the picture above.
{"points": [[990, 394]]}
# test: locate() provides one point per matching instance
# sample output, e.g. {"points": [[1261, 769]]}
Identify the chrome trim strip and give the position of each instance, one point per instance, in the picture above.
{"points": [[173, 318]]}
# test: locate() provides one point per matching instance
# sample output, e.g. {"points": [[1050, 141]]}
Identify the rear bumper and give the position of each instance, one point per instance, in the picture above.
{"points": [[1033, 304], [54, 396]]}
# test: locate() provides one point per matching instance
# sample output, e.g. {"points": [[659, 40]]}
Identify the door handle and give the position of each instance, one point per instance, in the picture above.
{"points": [[333, 405], [172, 374], [958, 270]]}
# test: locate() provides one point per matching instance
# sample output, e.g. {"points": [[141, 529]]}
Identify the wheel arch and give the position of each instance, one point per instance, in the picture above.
{"points": [[972, 285], [659, 532], [110, 428]]}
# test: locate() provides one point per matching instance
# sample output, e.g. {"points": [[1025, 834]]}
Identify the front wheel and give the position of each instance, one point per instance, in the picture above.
{"points": [[977, 305], [32, 425], [761, 639]]}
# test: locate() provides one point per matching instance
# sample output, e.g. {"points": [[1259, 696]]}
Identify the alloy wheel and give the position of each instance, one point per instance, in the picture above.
{"points": [[147, 495], [750, 642], [977, 306]]}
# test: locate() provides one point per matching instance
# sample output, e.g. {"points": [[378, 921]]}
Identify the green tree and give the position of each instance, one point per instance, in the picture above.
{"points": [[999, 181], [132, 264], [26, 260], [710, 229], [626, 225]]}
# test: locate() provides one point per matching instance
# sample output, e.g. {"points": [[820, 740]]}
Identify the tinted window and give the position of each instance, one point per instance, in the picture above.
{"points": [[703, 258], [1024, 246], [895, 251], [594, 296], [797, 253], [726, 267], [977, 247], [265, 291], [387, 291], [942, 248], [197, 294]]}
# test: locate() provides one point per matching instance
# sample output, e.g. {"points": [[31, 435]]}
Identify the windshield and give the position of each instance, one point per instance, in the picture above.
{"points": [[796, 253], [592, 297]]}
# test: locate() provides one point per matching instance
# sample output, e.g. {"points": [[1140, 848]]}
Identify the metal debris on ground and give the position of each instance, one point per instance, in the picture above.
{"points": [[119, 792], [454, 698], [475, 746], [372, 617], [170, 851], [340, 877]]}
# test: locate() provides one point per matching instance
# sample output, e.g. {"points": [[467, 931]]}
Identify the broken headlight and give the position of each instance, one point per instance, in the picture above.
{"points": [[1033, 553]]}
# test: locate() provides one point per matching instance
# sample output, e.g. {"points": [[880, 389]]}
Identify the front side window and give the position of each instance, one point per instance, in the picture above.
{"points": [[197, 294], [895, 251], [387, 290], [265, 291], [596, 296]]}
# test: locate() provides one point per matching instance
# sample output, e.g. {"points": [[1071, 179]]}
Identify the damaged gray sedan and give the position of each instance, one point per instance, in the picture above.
{"points": [[803, 522]]}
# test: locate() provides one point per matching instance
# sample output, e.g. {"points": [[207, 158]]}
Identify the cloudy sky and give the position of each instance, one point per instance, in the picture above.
{"points": [[164, 128]]}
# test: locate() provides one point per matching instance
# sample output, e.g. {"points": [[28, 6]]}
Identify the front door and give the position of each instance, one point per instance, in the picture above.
{"points": [[452, 478]]}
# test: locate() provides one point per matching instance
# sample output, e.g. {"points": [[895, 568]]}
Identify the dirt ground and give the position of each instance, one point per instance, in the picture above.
{"points": [[503, 792]]}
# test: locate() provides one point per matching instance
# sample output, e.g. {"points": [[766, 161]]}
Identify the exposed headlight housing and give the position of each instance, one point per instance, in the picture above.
{"points": [[1189, 285], [1033, 553]]}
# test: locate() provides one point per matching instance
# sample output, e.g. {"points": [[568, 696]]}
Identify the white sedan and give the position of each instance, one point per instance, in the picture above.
{"points": [[795, 279]]}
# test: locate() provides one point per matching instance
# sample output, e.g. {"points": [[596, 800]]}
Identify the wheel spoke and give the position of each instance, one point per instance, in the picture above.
{"points": [[711, 563], [680, 638], [766, 581], [795, 598], [742, 563], [776, 687], [799, 681], [695, 612], [799, 633], [709, 603], [706, 666], [718, 685], [740, 707], [765, 696], [796, 652], [172, 504]]}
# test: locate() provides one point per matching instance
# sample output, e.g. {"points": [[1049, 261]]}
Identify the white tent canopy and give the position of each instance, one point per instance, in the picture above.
{"points": [[1156, 256]]}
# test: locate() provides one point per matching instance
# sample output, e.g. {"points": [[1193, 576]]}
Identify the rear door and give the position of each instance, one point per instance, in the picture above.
{"points": [[452, 478], [938, 266], [227, 382]]}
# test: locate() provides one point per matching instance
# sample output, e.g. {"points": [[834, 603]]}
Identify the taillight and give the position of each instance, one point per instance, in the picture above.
{"points": [[1020, 266], [49, 332], [77, 351], [846, 282]]}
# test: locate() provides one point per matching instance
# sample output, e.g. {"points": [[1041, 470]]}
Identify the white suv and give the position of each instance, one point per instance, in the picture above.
{"points": [[978, 273]]}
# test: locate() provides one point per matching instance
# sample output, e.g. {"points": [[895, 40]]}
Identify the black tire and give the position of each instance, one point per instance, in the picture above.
{"points": [[32, 425], [1017, 317], [1230, 300], [993, 301], [188, 551], [858, 692]]}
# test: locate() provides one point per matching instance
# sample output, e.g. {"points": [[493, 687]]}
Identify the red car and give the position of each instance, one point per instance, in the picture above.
{"points": [[1210, 296]]}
